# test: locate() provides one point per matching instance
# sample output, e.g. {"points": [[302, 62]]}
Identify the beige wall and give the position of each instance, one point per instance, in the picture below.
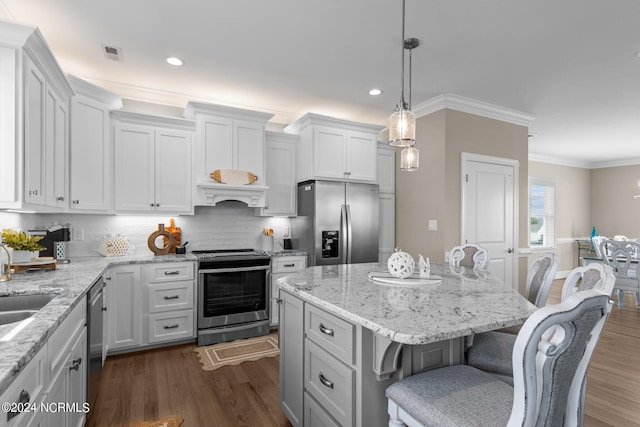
{"points": [[434, 191], [613, 208], [573, 212]]}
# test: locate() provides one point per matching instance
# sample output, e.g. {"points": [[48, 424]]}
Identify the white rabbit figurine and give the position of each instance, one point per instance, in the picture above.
{"points": [[424, 267]]}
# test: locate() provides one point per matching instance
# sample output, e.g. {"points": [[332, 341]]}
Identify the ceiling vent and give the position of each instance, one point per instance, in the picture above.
{"points": [[112, 53]]}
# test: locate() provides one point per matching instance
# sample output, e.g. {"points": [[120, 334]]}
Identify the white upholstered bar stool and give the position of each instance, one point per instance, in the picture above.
{"points": [[469, 255], [550, 359]]}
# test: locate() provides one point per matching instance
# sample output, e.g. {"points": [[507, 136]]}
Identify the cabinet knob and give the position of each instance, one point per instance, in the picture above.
{"points": [[60, 199], [75, 364], [75, 202]]}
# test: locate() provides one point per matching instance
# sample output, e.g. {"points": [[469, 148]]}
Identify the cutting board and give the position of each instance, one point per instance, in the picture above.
{"points": [[233, 176]]}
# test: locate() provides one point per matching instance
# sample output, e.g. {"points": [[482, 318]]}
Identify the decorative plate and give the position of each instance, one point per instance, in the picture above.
{"points": [[233, 176], [413, 280]]}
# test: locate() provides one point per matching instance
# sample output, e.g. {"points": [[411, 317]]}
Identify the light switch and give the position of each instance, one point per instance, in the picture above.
{"points": [[433, 225]]}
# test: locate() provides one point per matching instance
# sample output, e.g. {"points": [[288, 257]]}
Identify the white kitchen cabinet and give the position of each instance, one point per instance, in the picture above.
{"points": [[34, 121], [228, 138], [91, 148], [335, 149], [291, 340], [124, 313], [28, 386], [153, 159], [280, 164], [387, 198], [282, 266]]}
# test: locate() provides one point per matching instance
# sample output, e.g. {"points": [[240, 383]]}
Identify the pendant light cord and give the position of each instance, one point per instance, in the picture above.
{"points": [[402, 103]]}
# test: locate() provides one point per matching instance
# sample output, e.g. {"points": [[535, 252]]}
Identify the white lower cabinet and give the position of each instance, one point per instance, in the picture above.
{"points": [[150, 304], [282, 266], [54, 382]]}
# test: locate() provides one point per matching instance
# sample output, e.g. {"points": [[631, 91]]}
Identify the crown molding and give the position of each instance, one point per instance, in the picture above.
{"points": [[616, 163], [560, 161], [313, 119], [97, 93], [472, 106]]}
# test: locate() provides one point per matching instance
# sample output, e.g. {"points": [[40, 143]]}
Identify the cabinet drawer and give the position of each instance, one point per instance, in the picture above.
{"points": [[169, 272], [330, 382], [331, 333], [170, 296], [284, 264], [64, 336], [29, 383], [170, 326], [315, 415]]}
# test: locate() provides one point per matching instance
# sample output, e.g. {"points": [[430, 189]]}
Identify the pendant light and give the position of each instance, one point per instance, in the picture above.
{"points": [[402, 122], [410, 156]]}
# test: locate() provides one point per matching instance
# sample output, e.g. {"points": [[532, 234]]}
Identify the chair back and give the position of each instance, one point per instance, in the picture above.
{"points": [[550, 359], [593, 276], [540, 278], [469, 255], [596, 241], [622, 257]]}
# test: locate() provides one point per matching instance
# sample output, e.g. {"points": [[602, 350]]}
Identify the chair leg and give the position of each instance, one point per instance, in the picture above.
{"points": [[620, 298], [394, 414]]}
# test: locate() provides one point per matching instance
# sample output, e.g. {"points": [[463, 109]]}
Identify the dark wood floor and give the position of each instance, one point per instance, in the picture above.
{"points": [[169, 381]]}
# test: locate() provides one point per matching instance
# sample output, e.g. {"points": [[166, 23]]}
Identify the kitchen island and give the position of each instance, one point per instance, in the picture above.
{"points": [[344, 338]]}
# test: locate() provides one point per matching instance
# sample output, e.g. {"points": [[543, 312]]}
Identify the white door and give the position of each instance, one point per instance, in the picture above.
{"points": [[489, 195]]}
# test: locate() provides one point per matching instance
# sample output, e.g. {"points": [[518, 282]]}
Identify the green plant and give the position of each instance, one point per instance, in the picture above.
{"points": [[20, 241]]}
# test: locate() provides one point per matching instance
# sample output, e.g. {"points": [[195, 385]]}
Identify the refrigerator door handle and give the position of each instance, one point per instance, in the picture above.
{"points": [[344, 230], [348, 236]]}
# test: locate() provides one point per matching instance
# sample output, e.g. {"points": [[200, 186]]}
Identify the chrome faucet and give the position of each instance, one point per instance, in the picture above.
{"points": [[5, 270]]}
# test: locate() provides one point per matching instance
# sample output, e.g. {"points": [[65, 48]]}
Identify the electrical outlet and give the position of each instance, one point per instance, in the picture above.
{"points": [[78, 234], [286, 232], [433, 225]]}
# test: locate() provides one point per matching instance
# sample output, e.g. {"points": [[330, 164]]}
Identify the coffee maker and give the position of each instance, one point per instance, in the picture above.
{"points": [[54, 238]]}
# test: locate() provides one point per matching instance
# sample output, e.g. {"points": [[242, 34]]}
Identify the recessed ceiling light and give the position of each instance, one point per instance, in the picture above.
{"points": [[174, 61], [375, 92]]}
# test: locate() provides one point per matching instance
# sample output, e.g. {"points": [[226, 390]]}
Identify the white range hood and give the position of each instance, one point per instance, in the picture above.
{"points": [[210, 194]]}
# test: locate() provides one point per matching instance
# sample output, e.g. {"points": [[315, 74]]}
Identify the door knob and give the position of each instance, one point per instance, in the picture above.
{"points": [[510, 250]]}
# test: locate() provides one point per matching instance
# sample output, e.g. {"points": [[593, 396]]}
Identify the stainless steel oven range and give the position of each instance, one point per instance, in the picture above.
{"points": [[233, 294]]}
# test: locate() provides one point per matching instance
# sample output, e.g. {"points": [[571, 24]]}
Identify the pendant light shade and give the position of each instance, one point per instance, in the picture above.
{"points": [[409, 159], [402, 127]]}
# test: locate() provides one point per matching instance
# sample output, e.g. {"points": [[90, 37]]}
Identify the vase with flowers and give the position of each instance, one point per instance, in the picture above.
{"points": [[24, 246]]}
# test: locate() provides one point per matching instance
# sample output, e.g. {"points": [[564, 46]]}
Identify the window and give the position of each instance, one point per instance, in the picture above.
{"points": [[542, 204]]}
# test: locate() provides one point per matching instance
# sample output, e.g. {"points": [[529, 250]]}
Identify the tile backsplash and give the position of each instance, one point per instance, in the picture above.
{"points": [[227, 225]]}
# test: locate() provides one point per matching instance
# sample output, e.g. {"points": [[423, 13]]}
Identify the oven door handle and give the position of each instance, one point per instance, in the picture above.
{"points": [[233, 270]]}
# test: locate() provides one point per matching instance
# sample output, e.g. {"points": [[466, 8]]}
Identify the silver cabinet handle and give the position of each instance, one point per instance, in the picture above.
{"points": [[325, 382], [60, 199], [325, 330], [75, 364], [288, 265], [171, 273], [75, 202], [171, 326], [24, 397], [172, 297]]}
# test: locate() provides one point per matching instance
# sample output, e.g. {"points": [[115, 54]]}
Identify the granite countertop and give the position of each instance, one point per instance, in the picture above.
{"points": [[464, 302], [70, 282]]}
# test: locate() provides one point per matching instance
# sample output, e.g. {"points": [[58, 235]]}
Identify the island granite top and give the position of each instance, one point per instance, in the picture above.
{"points": [[465, 302]]}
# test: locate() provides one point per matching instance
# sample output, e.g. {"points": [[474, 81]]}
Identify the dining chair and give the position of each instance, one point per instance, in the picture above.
{"points": [[469, 255], [540, 278], [550, 359], [623, 258], [596, 241], [492, 351]]}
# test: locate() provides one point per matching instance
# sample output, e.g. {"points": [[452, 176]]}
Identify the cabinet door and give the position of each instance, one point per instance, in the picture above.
{"points": [[124, 314], [134, 168], [291, 356], [329, 153], [387, 235], [215, 146], [249, 148], [59, 174], [34, 133], [362, 156], [280, 159], [91, 158], [386, 168], [173, 171]]}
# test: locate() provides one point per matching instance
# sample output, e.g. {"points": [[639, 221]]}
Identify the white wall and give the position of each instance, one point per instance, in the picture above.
{"points": [[227, 225]]}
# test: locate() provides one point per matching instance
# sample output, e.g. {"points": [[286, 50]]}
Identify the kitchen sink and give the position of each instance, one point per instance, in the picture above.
{"points": [[15, 308], [31, 302]]}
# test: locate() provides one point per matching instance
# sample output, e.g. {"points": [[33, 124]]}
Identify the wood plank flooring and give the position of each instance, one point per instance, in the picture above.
{"points": [[165, 382]]}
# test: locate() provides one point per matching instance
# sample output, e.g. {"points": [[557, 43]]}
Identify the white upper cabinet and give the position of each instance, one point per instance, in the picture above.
{"points": [[34, 122], [153, 158], [280, 163], [228, 138], [335, 149], [91, 158]]}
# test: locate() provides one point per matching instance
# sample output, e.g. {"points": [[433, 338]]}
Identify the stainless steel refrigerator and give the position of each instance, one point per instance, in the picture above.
{"points": [[337, 222]]}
